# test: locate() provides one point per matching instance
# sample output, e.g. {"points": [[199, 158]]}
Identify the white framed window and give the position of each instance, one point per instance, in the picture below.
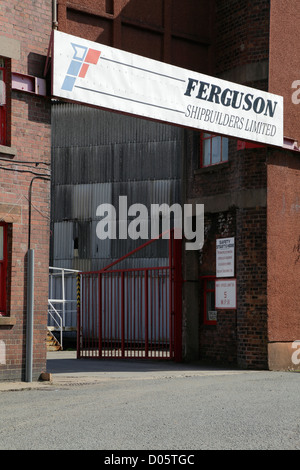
{"points": [[214, 149]]}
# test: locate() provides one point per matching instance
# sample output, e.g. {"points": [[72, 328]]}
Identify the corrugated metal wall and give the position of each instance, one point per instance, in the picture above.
{"points": [[98, 156]]}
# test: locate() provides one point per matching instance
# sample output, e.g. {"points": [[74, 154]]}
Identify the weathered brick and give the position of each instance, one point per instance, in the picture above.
{"points": [[29, 124]]}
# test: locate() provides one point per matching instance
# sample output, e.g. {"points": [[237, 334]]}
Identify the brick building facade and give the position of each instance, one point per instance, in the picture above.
{"points": [[253, 198], [25, 29], [252, 195]]}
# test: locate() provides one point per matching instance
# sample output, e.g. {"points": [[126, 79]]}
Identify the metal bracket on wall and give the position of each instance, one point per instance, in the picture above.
{"points": [[29, 84]]}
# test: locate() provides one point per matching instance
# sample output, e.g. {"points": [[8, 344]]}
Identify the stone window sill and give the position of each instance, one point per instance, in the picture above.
{"points": [[7, 321], [10, 151]]}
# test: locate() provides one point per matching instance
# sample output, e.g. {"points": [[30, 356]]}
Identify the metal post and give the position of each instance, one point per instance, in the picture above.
{"points": [[78, 316], [177, 300], [30, 312], [122, 315], [171, 297], [63, 297], [99, 315], [146, 314]]}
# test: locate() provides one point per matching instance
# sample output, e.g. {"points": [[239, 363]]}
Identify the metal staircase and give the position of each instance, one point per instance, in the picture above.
{"points": [[52, 343], [62, 316]]}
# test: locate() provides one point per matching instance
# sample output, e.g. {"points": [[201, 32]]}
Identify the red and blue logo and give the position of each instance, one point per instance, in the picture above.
{"points": [[83, 57]]}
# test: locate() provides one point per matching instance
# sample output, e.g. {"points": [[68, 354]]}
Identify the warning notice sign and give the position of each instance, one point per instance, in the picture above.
{"points": [[225, 257]]}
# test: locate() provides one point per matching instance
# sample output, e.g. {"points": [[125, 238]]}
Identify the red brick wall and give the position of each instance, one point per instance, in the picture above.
{"points": [[267, 232], [28, 22], [240, 336], [285, 61], [241, 32], [218, 343], [284, 246], [251, 271], [233, 195]]}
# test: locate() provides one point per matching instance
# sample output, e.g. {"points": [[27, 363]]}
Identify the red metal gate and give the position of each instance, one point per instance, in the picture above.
{"points": [[131, 313]]}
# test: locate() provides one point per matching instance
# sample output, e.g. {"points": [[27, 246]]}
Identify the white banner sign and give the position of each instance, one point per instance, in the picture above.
{"points": [[226, 294], [225, 257], [105, 77]]}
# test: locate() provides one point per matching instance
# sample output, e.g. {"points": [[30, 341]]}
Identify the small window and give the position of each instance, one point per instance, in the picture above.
{"points": [[2, 102], [210, 313], [214, 149], [3, 268]]}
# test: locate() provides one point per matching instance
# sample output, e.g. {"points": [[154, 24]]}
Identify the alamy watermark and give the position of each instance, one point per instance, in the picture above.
{"points": [[296, 354], [296, 94], [2, 353], [136, 222]]}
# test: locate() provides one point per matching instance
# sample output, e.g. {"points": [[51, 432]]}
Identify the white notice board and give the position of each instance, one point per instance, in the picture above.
{"points": [[225, 294], [225, 257]]}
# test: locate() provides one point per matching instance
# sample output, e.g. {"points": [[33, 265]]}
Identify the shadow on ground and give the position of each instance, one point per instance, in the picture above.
{"points": [[65, 362]]}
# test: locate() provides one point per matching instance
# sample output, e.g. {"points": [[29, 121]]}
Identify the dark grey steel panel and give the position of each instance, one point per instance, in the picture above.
{"points": [[75, 126], [97, 146], [98, 156]]}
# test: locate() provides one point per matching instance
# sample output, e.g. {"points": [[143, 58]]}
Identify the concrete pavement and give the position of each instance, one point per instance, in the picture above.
{"points": [[114, 404]]}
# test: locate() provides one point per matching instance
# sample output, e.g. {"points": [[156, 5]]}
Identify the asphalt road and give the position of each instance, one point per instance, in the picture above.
{"points": [[115, 405]]}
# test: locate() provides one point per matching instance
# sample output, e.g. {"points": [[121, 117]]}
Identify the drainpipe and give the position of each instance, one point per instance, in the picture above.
{"points": [[30, 310], [54, 14], [30, 292]]}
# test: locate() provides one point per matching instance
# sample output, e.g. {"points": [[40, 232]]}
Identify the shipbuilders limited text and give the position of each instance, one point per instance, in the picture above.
{"points": [[234, 99]]}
